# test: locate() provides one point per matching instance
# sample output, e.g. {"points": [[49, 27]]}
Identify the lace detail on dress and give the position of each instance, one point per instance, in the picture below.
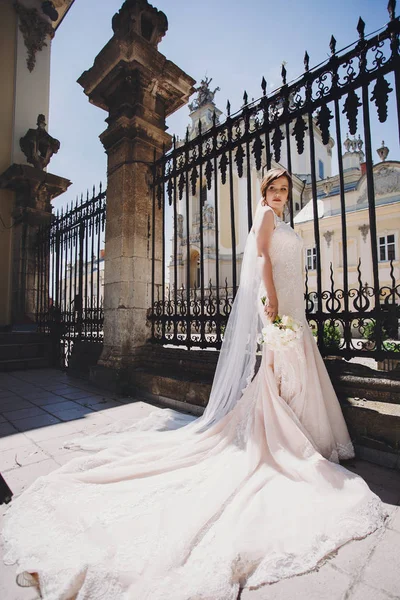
{"points": [[283, 565], [286, 258], [342, 452]]}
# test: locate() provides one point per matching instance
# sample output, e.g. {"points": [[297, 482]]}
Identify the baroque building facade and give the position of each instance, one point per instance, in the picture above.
{"points": [[386, 175]]}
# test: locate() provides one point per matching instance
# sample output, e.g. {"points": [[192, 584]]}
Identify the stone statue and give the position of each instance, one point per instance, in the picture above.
{"points": [[38, 146], [204, 94], [179, 225], [208, 215]]}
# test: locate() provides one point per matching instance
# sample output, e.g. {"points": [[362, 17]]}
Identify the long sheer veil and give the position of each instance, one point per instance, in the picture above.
{"points": [[237, 359], [234, 372]]}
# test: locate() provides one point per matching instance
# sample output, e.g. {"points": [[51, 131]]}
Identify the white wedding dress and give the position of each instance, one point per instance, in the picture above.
{"points": [[197, 512]]}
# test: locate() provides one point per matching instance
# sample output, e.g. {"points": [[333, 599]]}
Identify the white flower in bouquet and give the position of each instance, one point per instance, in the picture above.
{"points": [[282, 333]]}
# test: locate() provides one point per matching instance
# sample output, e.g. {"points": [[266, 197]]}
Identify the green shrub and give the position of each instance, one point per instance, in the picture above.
{"points": [[331, 335], [370, 331], [392, 346]]}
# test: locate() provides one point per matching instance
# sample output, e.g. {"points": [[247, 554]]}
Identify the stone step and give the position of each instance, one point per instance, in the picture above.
{"points": [[17, 351], [374, 429], [22, 337], [20, 364], [368, 388]]}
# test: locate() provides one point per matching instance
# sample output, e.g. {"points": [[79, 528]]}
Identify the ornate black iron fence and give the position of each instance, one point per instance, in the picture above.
{"points": [[70, 272], [205, 190]]}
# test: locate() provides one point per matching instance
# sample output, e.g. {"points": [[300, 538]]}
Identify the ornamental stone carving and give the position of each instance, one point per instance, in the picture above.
{"points": [[140, 18], [383, 152], [327, 186], [328, 235], [386, 181], [364, 231], [208, 216], [38, 146], [34, 30], [179, 225], [204, 95]]}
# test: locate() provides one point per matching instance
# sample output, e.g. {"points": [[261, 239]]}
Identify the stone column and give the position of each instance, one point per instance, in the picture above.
{"points": [[139, 88], [34, 189]]}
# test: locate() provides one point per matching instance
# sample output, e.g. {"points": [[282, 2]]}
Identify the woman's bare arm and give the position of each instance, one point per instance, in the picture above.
{"points": [[263, 231]]}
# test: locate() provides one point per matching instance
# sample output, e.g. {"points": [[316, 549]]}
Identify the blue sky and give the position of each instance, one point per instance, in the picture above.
{"points": [[235, 43]]}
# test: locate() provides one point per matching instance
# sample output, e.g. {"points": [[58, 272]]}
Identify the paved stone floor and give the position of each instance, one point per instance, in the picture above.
{"points": [[40, 410]]}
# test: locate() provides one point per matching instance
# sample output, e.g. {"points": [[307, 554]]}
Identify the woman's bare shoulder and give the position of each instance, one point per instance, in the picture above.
{"points": [[264, 218]]}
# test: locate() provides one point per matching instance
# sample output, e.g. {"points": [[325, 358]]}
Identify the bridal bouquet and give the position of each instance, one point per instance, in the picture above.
{"points": [[282, 333]]}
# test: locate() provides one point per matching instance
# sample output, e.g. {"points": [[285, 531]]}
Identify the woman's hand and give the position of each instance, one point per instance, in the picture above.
{"points": [[271, 309]]}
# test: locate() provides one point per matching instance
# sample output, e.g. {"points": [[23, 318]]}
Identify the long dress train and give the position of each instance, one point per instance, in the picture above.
{"points": [[194, 514]]}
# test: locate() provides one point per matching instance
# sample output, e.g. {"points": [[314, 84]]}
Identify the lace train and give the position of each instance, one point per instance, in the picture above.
{"points": [[194, 513]]}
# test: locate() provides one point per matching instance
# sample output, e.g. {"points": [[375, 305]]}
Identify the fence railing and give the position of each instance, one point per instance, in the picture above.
{"points": [[70, 275], [216, 172]]}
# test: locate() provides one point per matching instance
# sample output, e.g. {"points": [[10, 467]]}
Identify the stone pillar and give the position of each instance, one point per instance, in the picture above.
{"points": [[34, 189], [139, 88]]}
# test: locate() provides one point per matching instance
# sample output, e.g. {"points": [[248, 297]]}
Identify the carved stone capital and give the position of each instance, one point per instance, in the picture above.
{"points": [[34, 30], [133, 81], [34, 188], [138, 87]]}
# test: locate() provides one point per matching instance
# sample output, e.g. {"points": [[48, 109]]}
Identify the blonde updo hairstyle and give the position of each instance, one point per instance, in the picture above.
{"points": [[270, 176]]}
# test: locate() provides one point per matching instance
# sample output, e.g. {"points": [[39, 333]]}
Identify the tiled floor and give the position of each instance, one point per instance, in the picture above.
{"points": [[41, 410]]}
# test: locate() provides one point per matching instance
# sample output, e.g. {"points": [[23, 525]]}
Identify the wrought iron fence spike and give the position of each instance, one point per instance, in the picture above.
{"points": [[306, 61], [228, 108], [392, 9], [283, 73], [245, 97], [361, 28], [264, 85], [332, 45]]}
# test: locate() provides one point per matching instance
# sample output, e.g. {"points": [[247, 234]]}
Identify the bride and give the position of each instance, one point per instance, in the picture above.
{"points": [[246, 495]]}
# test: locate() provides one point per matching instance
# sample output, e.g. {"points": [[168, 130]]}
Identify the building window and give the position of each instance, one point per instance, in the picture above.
{"points": [[321, 169], [387, 247], [311, 259]]}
